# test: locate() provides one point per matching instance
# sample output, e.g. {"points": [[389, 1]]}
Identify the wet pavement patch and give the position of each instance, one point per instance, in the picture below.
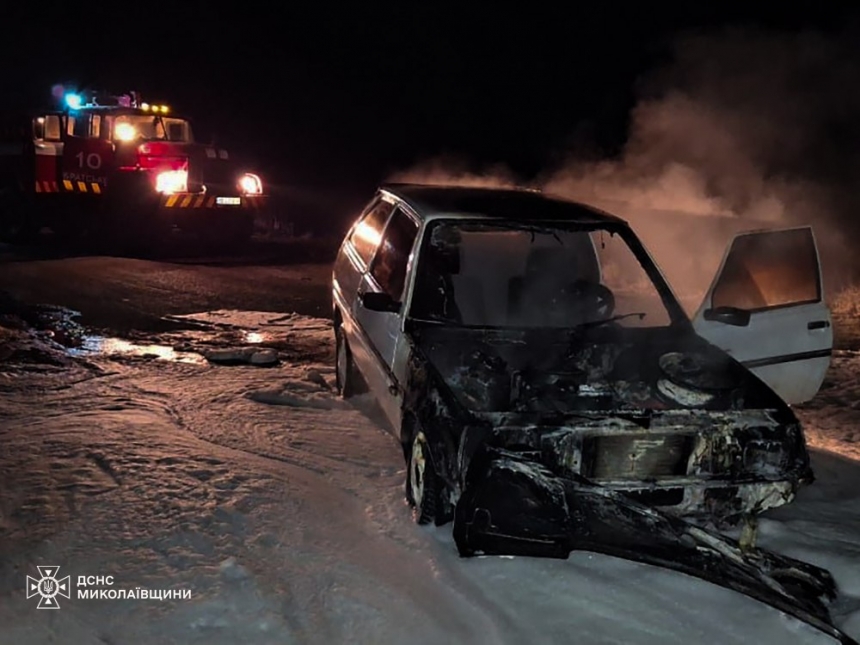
{"points": [[51, 321], [51, 334]]}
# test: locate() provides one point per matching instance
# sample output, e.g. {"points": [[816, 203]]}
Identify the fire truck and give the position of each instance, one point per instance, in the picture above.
{"points": [[116, 168]]}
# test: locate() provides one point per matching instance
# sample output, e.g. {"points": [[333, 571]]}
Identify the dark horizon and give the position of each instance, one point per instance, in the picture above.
{"points": [[337, 99]]}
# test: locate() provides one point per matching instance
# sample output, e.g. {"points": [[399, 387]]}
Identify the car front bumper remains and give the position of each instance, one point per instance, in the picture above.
{"points": [[516, 506]]}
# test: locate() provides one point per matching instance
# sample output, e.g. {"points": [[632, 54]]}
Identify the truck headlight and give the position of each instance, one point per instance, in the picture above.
{"points": [[250, 184], [171, 181]]}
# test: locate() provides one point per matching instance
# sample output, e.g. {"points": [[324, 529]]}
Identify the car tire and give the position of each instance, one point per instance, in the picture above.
{"points": [[422, 482], [344, 368]]}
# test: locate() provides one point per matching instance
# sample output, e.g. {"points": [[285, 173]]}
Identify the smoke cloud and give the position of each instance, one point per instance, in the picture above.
{"points": [[744, 129], [454, 171]]}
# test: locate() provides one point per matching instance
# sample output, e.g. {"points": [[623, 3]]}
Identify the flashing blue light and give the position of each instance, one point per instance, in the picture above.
{"points": [[74, 101]]}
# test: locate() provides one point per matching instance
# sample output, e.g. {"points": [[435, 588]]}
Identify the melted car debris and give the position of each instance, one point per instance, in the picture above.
{"points": [[548, 444], [685, 396], [518, 507], [499, 517]]}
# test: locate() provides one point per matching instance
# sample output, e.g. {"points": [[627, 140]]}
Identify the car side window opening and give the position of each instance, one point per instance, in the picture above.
{"points": [[392, 258], [367, 233], [770, 270]]}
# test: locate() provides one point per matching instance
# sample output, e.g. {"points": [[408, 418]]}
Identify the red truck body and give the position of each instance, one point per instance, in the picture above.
{"points": [[119, 168]]}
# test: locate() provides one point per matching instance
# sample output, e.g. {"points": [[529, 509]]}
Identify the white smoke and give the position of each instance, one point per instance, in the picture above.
{"points": [[743, 129]]}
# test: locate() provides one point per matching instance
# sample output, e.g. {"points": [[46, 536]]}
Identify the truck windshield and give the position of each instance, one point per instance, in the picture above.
{"points": [[150, 127]]}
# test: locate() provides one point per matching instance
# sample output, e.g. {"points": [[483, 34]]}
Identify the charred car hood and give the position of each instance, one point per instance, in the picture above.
{"points": [[599, 369]]}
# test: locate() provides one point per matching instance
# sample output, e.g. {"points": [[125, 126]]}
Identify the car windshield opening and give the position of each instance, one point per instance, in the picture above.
{"points": [[524, 275]]}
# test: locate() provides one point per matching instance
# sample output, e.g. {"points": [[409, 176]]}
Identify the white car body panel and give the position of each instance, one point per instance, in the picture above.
{"points": [[787, 346]]}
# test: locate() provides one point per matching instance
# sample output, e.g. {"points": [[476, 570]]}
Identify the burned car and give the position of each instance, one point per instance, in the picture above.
{"points": [[483, 317], [550, 393]]}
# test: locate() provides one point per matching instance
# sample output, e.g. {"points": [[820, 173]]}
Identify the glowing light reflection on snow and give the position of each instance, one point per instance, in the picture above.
{"points": [[111, 346], [254, 337]]}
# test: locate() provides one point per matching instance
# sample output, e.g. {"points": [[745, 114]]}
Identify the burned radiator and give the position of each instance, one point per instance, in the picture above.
{"points": [[640, 457]]}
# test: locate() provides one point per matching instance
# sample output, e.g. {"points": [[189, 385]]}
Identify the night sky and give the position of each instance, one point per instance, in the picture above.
{"points": [[332, 98]]}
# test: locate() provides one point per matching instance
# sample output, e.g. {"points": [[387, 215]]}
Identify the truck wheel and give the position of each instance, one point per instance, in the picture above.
{"points": [[224, 235], [134, 237], [128, 228], [18, 224], [242, 229], [20, 233], [422, 483]]}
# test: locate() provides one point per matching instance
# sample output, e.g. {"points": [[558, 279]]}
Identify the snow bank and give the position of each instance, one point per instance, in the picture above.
{"points": [[832, 419]]}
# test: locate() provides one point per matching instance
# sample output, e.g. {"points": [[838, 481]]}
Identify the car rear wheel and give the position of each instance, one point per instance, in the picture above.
{"points": [[422, 482], [344, 369]]}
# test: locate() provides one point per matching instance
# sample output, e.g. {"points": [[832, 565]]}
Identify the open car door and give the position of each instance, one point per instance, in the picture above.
{"points": [[766, 309]]}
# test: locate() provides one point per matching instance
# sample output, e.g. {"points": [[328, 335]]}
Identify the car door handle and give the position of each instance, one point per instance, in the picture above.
{"points": [[818, 324]]}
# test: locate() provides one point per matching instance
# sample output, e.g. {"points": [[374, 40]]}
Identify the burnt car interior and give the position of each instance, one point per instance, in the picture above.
{"points": [[479, 274]]}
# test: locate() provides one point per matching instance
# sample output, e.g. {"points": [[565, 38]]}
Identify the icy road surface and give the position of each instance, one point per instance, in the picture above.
{"points": [[280, 507]]}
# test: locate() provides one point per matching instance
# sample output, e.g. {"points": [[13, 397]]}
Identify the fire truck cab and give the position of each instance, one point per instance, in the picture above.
{"points": [[114, 167]]}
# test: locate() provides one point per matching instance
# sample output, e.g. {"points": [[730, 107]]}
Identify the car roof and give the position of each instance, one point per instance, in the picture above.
{"points": [[519, 204]]}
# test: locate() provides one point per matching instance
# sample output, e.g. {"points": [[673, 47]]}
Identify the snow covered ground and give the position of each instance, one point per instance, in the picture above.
{"points": [[280, 508]]}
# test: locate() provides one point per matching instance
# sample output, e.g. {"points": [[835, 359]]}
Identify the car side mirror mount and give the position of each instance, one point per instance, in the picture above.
{"points": [[728, 316], [377, 301]]}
